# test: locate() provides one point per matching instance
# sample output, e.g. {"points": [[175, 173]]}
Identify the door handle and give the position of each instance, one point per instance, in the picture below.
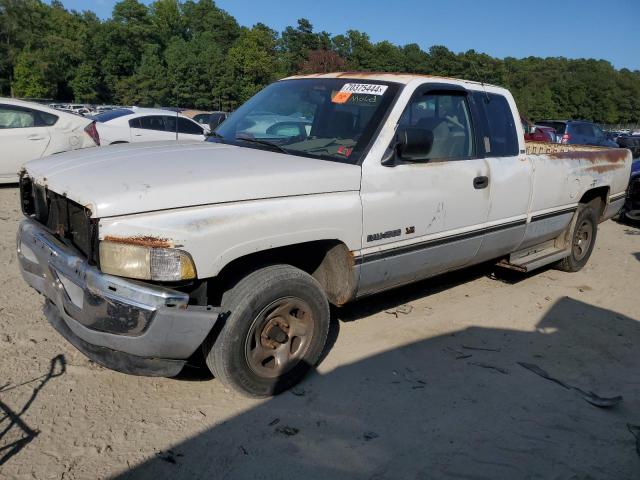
{"points": [[480, 182], [35, 136]]}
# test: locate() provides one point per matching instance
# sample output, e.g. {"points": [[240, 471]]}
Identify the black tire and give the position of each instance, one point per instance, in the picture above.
{"points": [[246, 337], [586, 224]]}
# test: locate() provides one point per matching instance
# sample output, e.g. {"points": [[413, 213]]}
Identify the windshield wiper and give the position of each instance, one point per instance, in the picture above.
{"points": [[246, 138]]}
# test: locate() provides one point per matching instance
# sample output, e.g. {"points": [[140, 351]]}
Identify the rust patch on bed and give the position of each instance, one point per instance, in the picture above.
{"points": [[603, 168], [558, 151], [143, 241]]}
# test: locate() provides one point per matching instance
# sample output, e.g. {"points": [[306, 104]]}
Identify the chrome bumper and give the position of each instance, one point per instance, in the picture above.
{"points": [[109, 312]]}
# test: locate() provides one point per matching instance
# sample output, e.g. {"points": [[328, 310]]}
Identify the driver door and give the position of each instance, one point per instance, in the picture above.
{"points": [[423, 218]]}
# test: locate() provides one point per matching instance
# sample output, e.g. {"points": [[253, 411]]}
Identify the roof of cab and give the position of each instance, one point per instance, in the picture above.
{"points": [[385, 77]]}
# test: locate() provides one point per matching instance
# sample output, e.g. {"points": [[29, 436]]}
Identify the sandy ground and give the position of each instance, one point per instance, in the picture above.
{"points": [[422, 382]]}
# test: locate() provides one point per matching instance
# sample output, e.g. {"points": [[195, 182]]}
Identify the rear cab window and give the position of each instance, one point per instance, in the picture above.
{"points": [[499, 136]]}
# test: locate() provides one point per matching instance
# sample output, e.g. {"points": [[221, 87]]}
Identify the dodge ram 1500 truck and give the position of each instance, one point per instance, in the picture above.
{"points": [[319, 190]]}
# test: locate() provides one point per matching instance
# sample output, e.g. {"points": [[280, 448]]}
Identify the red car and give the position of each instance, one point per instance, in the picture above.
{"points": [[537, 133]]}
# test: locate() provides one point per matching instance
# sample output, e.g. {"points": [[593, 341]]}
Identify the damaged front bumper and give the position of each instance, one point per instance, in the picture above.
{"points": [[125, 325]]}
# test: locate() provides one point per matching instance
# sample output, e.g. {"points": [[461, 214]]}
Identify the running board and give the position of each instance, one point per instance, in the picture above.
{"points": [[533, 261]]}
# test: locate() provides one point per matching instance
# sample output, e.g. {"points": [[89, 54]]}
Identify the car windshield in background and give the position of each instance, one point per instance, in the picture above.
{"points": [[559, 127], [328, 118], [111, 114]]}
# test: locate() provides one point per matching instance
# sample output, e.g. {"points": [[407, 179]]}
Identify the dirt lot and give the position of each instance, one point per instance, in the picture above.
{"points": [[422, 382]]}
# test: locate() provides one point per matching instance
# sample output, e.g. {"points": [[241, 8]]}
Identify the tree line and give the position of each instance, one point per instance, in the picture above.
{"points": [[193, 54]]}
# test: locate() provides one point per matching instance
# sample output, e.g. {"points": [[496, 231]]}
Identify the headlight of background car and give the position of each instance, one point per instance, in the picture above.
{"points": [[145, 263]]}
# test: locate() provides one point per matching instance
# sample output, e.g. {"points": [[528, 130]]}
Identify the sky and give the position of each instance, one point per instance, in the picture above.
{"points": [[570, 28]]}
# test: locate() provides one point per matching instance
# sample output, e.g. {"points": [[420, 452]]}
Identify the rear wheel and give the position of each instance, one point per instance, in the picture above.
{"points": [[275, 332], [583, 239]]}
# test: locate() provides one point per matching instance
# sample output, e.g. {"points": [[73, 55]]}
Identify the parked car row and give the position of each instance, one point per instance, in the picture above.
{"points": [[29, 131]]}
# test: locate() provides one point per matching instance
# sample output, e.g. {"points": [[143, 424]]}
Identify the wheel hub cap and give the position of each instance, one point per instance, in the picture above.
{"points": [[582, 240], [279, 337]]}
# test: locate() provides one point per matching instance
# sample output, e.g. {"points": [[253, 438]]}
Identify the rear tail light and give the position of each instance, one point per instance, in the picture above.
{"points": [[565, 138], [92, 131]]}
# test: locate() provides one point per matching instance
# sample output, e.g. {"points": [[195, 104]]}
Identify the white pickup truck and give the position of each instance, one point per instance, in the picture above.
{"points": [[319, 190]]}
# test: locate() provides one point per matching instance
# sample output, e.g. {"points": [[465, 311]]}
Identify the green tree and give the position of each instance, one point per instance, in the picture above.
{"points": [[86, 83], [31, 79], [253, 61]]}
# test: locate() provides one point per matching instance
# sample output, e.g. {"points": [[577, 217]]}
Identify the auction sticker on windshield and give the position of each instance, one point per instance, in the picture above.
{"points": [[349, 89]]}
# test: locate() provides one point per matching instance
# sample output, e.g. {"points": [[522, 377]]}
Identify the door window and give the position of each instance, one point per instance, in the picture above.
{"points": [[152, 122], [170, 123], [16, 117], [189, 127], [446, 118]]}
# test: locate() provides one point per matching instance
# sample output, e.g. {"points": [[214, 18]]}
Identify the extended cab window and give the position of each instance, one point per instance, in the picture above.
{"points": [[446, 116], [500, 136]]}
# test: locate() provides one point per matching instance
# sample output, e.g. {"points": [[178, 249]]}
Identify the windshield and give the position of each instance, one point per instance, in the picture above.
{"points": [[333, 119], [559, 127]]}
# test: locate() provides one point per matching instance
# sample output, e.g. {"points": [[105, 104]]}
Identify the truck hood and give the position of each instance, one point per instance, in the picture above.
{"points": [[127, 179]]}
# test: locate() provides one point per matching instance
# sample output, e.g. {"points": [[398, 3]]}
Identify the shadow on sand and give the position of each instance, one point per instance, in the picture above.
{"points": [[453, 406], [15, 434]]}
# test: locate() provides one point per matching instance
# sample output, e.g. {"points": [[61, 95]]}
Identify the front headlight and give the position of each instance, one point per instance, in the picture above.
{"points": [[145, 263]]}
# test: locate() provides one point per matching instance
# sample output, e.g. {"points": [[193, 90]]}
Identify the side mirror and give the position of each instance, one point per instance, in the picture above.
{"points": [[411, 144], [414, 144], [532, 129]]}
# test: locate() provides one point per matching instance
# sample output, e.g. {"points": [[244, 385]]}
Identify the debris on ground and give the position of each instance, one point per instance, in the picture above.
{"points": [[503, 371], [287, 430], [298, 391], [486, 349], [458, 354], [370, 436], [402, 309], [592, 398]]}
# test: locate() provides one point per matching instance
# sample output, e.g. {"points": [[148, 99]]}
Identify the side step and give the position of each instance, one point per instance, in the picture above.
{"points": [[536, 257]]}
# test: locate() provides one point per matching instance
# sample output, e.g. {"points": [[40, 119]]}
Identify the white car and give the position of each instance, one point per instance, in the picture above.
{"points": [[29, 131], [126, 125]]}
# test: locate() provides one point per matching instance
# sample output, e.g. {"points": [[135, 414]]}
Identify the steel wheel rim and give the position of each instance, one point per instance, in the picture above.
{"points": [[279, 337], [582, 240]]}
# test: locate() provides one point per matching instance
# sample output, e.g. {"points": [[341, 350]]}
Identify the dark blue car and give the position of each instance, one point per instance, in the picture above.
{"points": [[631, 208], [578, 132]]}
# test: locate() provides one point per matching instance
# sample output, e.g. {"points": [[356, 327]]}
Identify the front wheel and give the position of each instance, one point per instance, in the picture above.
{"points": [[275, 332], [583, 239]]}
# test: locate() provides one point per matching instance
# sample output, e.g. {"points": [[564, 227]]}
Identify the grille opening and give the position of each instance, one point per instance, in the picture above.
{"points": [[67, 220]]}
